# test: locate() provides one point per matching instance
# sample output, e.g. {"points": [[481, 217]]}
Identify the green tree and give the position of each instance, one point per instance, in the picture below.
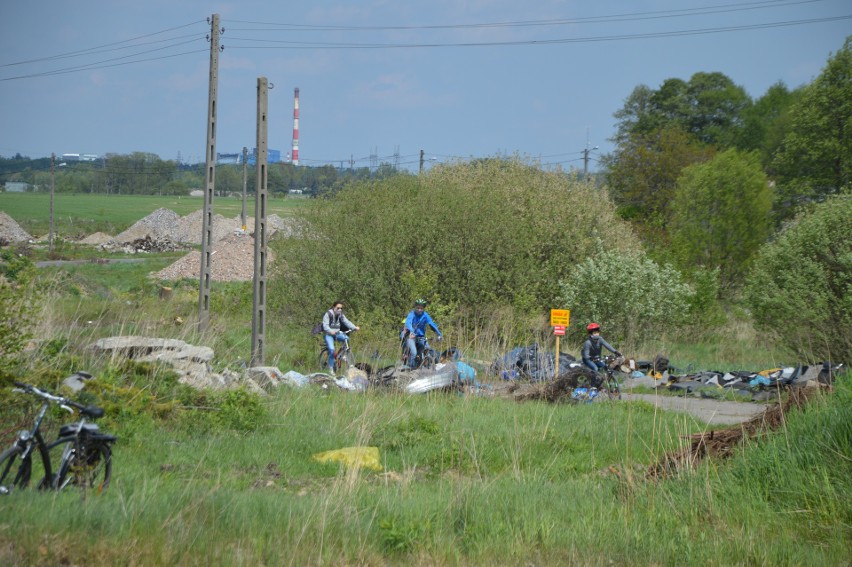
{"points": [[766, 122], [709, 106], [721, 214], [800, 288], [643, 173], [815, 159]]}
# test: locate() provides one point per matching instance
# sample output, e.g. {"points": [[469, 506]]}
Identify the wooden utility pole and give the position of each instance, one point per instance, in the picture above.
{"points": [[258, 323], [210, 179], [52, 190], [245, 179]]}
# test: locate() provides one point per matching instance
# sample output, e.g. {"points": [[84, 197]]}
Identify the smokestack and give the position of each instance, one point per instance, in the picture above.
{"points": [[295, 155]]}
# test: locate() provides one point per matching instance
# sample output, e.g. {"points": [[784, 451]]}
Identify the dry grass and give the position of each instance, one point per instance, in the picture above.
{"points": [[723, 443]]}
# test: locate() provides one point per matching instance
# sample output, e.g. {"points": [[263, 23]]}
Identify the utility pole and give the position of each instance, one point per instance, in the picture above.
{"points": [[586, 160], [52, 189], [421, 161], [245, 173], [210, 179], [258, 323]]}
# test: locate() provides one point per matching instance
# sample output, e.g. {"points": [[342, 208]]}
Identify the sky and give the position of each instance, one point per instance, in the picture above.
{"points": [[381, 80]]}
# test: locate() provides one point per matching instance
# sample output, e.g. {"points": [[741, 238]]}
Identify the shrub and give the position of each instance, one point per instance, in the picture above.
{"points": [[800, 289], [475, 235], [17, 304], [629, 294]]}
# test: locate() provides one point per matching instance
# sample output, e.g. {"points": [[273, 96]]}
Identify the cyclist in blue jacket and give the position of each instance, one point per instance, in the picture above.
{"points": [[415, 327]]}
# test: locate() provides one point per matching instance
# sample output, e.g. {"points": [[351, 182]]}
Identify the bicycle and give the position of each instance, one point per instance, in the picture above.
{"points": [[426, 356], [608, 382], [344, 358], [86, 459]]}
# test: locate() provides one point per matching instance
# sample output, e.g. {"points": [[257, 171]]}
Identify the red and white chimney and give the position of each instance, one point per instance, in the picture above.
{"points": [[295, 155]]}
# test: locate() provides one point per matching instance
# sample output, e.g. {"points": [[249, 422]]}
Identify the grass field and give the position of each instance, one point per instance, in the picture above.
{"points": [[228, 478], [85, 214]]}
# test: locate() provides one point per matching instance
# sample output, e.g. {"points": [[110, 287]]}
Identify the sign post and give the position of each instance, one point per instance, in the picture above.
{"points": [[559, 320]]}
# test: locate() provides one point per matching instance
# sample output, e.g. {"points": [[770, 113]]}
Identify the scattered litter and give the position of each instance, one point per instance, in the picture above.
{"points": [[358, 457]]}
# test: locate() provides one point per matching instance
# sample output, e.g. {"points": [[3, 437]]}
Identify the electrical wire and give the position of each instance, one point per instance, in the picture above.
{"points": [[628, 17]]}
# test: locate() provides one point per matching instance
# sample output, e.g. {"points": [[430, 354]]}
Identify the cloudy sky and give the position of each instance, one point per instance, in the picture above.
{"points": [[383, 78]]}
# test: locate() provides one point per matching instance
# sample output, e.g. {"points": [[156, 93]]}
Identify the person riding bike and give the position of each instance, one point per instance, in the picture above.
{"points": [[332, 323], [591, 352], [414, 332]]}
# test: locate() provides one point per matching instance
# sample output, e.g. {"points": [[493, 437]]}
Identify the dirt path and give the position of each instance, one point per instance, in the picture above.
{"points": [[714, 412]]}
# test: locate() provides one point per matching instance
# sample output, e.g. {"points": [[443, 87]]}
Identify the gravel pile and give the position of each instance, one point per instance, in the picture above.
{"points": [[97, 238], [231, 259], [164, 224], [11, 231]]}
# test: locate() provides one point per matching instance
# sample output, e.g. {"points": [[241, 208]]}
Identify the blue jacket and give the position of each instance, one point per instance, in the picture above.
{"points": [[417, 324]]}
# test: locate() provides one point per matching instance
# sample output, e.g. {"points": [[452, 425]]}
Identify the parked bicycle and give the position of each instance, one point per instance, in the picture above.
{"points": [[425, 357], [86, 452], [343, 356]]}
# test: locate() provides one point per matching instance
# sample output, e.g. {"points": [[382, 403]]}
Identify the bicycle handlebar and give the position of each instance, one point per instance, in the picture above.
{"points": [[90, 411]]}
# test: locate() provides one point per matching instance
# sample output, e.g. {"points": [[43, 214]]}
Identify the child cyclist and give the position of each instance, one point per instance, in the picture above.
{"points": [[592, 347], [415, 328]]}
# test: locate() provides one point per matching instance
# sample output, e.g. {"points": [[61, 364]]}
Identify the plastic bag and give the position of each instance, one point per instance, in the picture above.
{"points": [[362, 457]]}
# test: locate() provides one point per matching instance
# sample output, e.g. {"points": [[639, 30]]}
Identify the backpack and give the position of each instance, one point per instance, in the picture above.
{"points": [[318, 327]]}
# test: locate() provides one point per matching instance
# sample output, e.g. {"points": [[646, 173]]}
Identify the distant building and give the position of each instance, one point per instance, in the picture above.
{"points": [[80, 157], [272, 156], [16, 187]]}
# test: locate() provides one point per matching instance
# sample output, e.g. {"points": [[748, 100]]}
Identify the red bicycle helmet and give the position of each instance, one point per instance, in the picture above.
{"points": [[593, 327]]}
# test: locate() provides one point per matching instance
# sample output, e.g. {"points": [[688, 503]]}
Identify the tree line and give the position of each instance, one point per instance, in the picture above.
{"points": [[142, 173]]}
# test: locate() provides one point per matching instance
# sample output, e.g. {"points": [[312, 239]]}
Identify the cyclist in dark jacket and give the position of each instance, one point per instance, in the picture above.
{"points": [[333, 323], [592, 348], [415, 327]]}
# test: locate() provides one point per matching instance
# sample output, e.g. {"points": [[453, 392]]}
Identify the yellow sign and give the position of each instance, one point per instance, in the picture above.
{"points": [[560, 317]]}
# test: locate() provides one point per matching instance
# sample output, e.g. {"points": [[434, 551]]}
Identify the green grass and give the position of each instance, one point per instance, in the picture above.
{"points": [[86, 214], [229, 479], [465, 481]]}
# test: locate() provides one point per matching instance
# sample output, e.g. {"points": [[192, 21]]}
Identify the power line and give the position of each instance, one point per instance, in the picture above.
{"points": [[627, 17], [286, 44], [101, 48]]}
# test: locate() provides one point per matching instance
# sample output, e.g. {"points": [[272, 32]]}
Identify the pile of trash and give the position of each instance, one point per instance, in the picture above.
{"points": [[533, 365], [756, 386], [192, 364]]}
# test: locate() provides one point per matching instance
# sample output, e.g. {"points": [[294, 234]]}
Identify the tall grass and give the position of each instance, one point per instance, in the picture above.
{"points": [[465, 481]]}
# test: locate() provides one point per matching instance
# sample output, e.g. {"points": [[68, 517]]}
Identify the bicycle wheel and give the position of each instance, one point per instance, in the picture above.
{"points": [[613, 390], [345, 360], [428, 358], [91, 470], [322, 360], [14, 471]]}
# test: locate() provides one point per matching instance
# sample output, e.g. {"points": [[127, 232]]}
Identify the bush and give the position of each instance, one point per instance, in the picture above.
{"points": [[17, 305], [800, 289], [629, 294], [465, 236]]}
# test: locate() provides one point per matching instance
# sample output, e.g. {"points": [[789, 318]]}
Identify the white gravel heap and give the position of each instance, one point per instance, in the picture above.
{"points": [[231, 259], [11, 231]]}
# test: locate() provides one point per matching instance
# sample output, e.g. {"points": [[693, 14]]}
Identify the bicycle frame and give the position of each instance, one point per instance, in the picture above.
{"points": [[28, 439], [78, 439]]}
